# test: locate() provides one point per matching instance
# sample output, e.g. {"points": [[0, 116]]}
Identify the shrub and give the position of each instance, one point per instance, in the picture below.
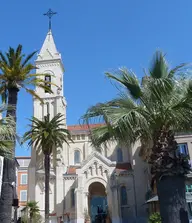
{"points": [[155, 218]]}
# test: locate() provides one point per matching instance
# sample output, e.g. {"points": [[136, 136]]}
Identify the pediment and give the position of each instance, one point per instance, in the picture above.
{"points": [[96, 167], [99, 158]]}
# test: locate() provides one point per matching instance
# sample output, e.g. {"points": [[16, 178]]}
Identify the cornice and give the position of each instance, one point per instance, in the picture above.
{"points": [[41, 174], [22, 169], [70, 177], [50, 63], [51, 98], [42, 177], [41, 61]]}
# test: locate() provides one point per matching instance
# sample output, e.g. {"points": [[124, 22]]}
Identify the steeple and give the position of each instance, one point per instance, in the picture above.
{"points": [[48, 50]]}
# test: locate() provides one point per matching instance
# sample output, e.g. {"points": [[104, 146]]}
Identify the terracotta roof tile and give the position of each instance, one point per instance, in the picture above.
{"points": [[52, 214], [71, 170], [83, 127], [120, 167], [23, 157], [124, 166]]}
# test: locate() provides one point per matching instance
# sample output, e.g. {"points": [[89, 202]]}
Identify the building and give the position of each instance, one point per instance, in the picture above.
{"points": [[83, 181], [185, 147], [22, 181]]}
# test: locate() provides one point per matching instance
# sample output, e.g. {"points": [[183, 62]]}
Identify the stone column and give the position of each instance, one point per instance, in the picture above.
{"points": [[115, 205], [93, 170], [86, 201], [59, 191], [79, 206]]}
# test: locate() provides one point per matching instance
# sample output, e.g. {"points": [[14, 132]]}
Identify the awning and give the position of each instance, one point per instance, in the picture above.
{"points": [[155, 198]]}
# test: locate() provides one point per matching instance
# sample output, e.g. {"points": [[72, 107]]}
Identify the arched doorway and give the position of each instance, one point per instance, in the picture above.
{"points": [[97, 203]]}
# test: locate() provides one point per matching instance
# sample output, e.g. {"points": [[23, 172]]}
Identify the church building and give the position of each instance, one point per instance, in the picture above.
{"points": [[85, 185]]}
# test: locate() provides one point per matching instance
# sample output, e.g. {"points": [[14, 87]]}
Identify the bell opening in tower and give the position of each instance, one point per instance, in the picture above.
{"points": [[47, 83]]}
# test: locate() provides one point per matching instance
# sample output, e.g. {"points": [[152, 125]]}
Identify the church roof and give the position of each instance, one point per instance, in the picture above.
{"points": [[48, 50], [83, 127], [123, 168], [71, 170], [120, 168]]}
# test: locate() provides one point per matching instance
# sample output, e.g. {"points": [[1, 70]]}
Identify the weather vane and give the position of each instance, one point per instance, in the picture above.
{"points": [[49, 14]]}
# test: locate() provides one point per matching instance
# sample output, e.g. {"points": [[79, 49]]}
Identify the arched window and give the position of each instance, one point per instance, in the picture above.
{"points": [[47, 82], [72, 197], [119, 155], [77, 157], [123, 194]]}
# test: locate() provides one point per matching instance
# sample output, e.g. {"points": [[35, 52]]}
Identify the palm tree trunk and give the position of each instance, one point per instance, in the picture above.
{"points": [[12, 101], [8, 192], [169, 171], [47, 176], [172, 200], [31, 218]]}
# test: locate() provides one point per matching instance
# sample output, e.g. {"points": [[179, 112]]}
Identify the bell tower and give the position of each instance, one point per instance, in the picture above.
{"points": [[49, 63]]}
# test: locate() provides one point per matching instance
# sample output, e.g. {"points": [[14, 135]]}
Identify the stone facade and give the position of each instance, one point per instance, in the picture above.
{"points": [[80, 175], [22, 182]]}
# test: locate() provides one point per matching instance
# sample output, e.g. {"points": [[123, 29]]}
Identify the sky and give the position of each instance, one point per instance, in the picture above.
{"points": [[94, 37]]}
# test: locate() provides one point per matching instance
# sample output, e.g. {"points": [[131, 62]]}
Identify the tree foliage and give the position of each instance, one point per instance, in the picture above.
{"points": [[150, 111], [17, 72], [47, 134], [155, 218]]}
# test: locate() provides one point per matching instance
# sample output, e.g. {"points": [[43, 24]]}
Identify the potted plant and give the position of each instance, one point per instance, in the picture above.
{"points": [[155, 218]]}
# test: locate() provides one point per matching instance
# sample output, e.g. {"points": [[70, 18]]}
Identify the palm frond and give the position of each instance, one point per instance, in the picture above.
{"points": [[128, 80], [28, 58], [18, 51], [173, 71], [159, 67], [47, 134], [141, 110], [34, 94], [16, 72]]}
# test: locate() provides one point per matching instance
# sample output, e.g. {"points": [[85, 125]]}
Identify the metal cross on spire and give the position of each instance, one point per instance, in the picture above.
{"points": [[49, 14]]}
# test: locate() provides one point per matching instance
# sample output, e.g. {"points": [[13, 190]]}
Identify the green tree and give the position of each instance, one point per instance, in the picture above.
{"points": [[47, 135], [151, 111], [33, 210], [15, 73]]}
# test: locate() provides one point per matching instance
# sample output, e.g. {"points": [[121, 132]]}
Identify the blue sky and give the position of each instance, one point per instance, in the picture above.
{"points": [[94, 37]]}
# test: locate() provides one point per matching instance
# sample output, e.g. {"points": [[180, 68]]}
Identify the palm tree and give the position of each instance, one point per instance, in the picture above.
{"points": [[15, 73], [47, 135], [33, 209], [151, 111], [7, 133]]}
